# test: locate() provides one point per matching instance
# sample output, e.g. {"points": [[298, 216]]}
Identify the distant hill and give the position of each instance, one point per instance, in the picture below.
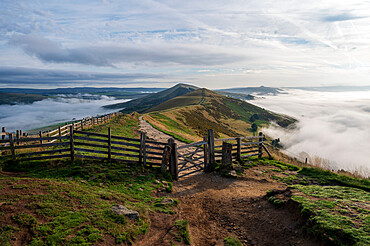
{"points": [[262, 90], [18, 98], [76, 90], [146, 103], [191, 115], [239, 96]]}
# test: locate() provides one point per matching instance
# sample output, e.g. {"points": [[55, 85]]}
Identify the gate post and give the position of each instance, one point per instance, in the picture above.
{"points": [[205, 153], [227, 149], [260, 139], [211, 148], [165, 158], [239, 149], [173, 159]]}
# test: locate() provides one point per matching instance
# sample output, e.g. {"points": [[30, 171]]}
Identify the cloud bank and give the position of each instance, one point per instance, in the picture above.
{"points": [[51, 111], [10, 76], [332, 126], [149, 54]]}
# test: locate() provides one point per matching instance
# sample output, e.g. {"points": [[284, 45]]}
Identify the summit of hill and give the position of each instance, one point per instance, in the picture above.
{"points": [[144, 104]]}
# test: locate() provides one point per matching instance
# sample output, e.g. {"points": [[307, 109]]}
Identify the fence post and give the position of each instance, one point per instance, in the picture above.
{"points": [[260, 139], [205, 152], [109, 145], [170, 142], [60, 134], [165, 158], [142, 155], [3, 129], [82, 125], [40, 135], [12, 149], [211, 147], [174, 161], [17, 136], [227, 149], [71, 143], [239, 149]]}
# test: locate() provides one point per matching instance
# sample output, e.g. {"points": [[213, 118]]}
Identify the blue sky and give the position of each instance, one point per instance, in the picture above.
{"points": [[214, 44]]}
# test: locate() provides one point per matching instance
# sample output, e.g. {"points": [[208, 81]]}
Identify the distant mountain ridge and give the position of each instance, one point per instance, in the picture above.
{"points": [[144, 104], [20, 98], [262, 90], [75, 90]]}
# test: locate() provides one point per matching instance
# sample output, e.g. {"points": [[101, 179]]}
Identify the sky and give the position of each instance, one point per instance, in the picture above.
{"points": [[210, 43]]}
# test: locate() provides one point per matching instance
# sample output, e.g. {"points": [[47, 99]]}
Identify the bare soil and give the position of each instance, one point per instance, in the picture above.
{"points": [[217, 207]]}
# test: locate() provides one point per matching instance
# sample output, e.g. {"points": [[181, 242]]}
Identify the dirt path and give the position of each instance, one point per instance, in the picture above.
{"points": [[218, 207], [154, 134]]}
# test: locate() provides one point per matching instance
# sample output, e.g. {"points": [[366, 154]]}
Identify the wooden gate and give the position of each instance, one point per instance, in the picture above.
{"points": [[191, 158], [200, 156]]}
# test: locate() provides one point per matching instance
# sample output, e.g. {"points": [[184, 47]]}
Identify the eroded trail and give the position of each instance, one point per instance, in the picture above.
{"points": [[154, 134], [218, 207]]}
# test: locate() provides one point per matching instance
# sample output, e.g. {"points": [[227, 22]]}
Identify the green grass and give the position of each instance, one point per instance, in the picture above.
{"points": [[182, 231], [335, 206], [172, 134], [122, 125], [327, 177], [70, 203], [338, 215], [232, 241], [75, 200]]}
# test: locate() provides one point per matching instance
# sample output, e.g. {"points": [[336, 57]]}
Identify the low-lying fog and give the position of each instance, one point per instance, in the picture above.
{"points": [[52, 111], [332, 125]]}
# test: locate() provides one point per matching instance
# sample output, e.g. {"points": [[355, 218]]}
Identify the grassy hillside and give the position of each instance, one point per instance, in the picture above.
{"points": [[335, 208], [144, 104], [192, 114], [62, 203], [17, 98]]}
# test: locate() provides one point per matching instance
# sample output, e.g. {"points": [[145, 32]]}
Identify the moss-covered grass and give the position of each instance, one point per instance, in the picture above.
{"points": [[71, 204], [59, 202], [338, 215], [232, 241], [182, 231], [330, 178], [336, 206]]}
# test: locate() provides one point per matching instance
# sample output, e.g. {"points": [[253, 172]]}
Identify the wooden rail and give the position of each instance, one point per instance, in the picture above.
{"points": [[86, 145], [61, 131]]}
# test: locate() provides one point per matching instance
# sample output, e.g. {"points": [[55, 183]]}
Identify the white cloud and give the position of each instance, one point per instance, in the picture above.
{"points": [[51, 111], [291, 42], [332, 125]]}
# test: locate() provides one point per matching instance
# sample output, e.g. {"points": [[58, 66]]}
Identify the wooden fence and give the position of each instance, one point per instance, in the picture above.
{"points": [[82, 124], [85, 145], [200, 156], [71, 141]]}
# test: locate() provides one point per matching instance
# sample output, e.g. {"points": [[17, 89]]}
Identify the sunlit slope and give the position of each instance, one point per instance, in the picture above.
{"points": [[191, 115]]}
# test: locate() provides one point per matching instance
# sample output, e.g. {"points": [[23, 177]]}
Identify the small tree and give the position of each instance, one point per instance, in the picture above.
{"points": [[254, 128]]}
